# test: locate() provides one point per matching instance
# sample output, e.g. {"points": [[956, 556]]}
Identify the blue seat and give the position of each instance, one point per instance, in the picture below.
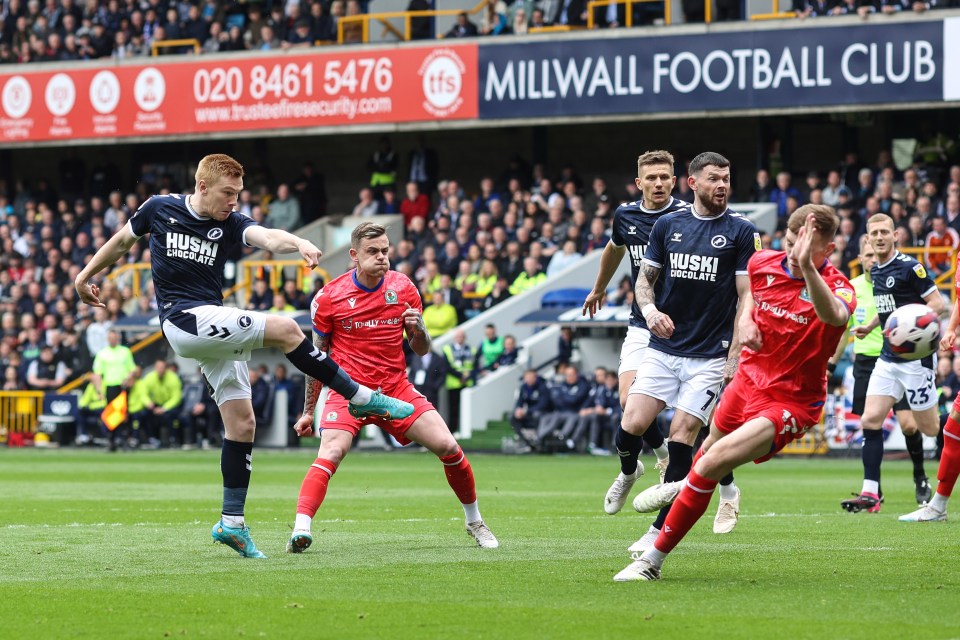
{"points": [[564, 298]]}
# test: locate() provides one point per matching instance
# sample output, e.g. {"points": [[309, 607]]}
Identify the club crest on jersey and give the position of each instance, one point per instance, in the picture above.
{"points": [[770, 280], [215, 233], [919, 270], [244, 322], [331, 416], [757, 245], [718, 242], [891, 281], [346, 324], [390, 296], [677, 236], [805, 295]]}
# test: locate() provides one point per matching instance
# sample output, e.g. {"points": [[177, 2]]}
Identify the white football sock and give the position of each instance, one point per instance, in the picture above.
{"points": [[472, 512], [234, 522], [939, 502], [871, 486], [661, 451], [362, 396], [302, 523], [728, 491]]}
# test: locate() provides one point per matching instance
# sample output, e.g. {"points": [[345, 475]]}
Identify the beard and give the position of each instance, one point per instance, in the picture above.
{"points": [[707, 204]]}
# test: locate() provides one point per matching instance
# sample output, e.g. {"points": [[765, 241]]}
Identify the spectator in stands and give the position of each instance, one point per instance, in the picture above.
{"points": [[352, 31], [294, 296], [415, 204], [162, 396], [46, 373], [91, 405], [463, 28], [499, 293], [98, 331], [261, 298], [834, 189], [782, 192], [595, 417], [440, 317], [268, 39], [563, 259], [537, 19], [520, 22], [321, 23], [812, 9], [494, 21], [489, 351], [533, 401], [428, 373], [529, 278], [300, 37], [280, 303], [568, 397], [260, 393], [421, 28], [460, 357], [311, 189], [368, 205], [284, 211], [941, 236], [565, 347]]}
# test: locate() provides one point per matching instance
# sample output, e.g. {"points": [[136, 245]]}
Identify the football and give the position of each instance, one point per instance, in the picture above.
{"points": [[913, 331]]}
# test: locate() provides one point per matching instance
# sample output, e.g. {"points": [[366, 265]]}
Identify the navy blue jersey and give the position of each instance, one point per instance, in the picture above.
{"points": [[632, 223], [187, 252], [899, 281], [699, 259]]}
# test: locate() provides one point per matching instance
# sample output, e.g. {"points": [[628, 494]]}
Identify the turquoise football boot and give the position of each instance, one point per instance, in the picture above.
{"points": [[383, 407], [237, 538]]}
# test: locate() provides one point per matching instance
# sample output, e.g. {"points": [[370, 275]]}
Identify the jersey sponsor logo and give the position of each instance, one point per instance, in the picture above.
{"points": [[352, 302], [844, 294], [188, 247], [718, 242], [770, 280], [636, 253], [347, 324], [919, 270], [780, 312], [757, 244], [890, 282], [244, 322], [885, 303], [694, 267], [390, 296], [372, 323], [677, 236], [215, 234]]}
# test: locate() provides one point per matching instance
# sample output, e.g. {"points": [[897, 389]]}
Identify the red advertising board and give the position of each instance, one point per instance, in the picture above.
{"points": [[216, 95]]}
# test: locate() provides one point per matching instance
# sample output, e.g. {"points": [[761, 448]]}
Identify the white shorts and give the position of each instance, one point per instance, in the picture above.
{"points": [[689, 384], [634, 346], [221, 340], [896, 379]]}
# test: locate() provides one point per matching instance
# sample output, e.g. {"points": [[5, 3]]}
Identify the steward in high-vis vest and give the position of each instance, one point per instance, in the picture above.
{"points": [[460, 357]]}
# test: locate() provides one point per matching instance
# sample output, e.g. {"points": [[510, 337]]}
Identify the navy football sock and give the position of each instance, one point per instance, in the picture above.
{"points": [[235, 466], [681, 459], [316, 364], [872, 453], [915, 449], [628, 448]]}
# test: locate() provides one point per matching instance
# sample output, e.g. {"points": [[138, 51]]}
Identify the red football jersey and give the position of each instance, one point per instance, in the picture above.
{"points": [[365, 327], [796, 343]]}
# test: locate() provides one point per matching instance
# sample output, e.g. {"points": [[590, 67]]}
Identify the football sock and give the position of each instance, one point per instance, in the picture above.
{"points": [[689, 506], [471, 512], [681, 459], [872, 454], [235, 466], [460, 478], [915, 449], [315, 363], [949, 467], [313, 490], [654, 439], [726, 481], [728, 491], [939, 502], [629, 447]]}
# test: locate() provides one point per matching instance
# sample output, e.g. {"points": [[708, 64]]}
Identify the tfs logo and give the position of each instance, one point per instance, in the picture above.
{"points": [[442, 72]]}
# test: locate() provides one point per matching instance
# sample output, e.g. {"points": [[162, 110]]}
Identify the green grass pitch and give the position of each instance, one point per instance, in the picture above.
{"points": [[101, 546]]}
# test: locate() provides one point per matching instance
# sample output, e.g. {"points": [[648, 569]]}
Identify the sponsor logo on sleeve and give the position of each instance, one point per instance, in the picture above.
{"points": [[919, 270], [757, 245], [844, 294]]}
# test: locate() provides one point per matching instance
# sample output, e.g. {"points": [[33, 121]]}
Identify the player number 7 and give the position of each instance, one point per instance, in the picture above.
{"points": [[710, 396]]}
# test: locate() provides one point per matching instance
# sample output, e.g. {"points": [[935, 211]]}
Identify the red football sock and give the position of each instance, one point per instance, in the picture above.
{"points": [[460, 476], [314, 487], [949, 459], [697, 456], [692, 502]]}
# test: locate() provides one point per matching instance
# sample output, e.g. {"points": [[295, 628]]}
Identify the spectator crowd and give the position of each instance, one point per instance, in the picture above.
{"points": [[59, 30]]}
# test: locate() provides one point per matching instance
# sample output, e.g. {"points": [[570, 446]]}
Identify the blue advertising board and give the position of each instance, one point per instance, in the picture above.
{"points": [[760, 69]]}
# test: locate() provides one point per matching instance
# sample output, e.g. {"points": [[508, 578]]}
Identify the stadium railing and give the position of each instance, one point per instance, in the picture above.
{"points": [[364, 21], [775, 13], [18, 414], [167, 44], [628, 11], [136, 274]]}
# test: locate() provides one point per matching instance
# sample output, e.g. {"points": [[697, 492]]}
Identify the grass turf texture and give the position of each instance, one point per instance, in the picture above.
{"points": [[100, 546]]}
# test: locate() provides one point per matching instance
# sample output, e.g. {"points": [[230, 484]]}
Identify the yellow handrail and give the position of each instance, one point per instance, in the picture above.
{"points": [[184, 42], [19, 411], [137, 268], [628, 19], [775, 14], [364, 19]]}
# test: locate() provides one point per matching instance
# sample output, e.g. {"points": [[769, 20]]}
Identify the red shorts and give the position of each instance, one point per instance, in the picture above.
{"points": [[336, 416], [742, 401]]}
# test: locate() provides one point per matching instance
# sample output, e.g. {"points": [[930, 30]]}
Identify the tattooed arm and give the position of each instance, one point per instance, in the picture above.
{"points": [[417, 334], [304, 425], [658, 322]]}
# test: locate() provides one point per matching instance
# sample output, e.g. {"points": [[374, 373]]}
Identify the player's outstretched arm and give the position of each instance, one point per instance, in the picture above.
{"points": [[609, 261], [114, 248], [417, 334], [744, 306], [280, 241], [304, 426]]}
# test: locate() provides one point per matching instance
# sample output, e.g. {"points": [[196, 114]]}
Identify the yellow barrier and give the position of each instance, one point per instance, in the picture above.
{"points": [[346, 22], [775, 14], [628, 17], [187, 42], [138, 273], [19, 411]]}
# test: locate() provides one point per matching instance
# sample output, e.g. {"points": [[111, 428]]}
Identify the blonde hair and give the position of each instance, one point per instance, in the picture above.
{"points": [[216, 166], [881, 217], [654, 157], [366, 231]]}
